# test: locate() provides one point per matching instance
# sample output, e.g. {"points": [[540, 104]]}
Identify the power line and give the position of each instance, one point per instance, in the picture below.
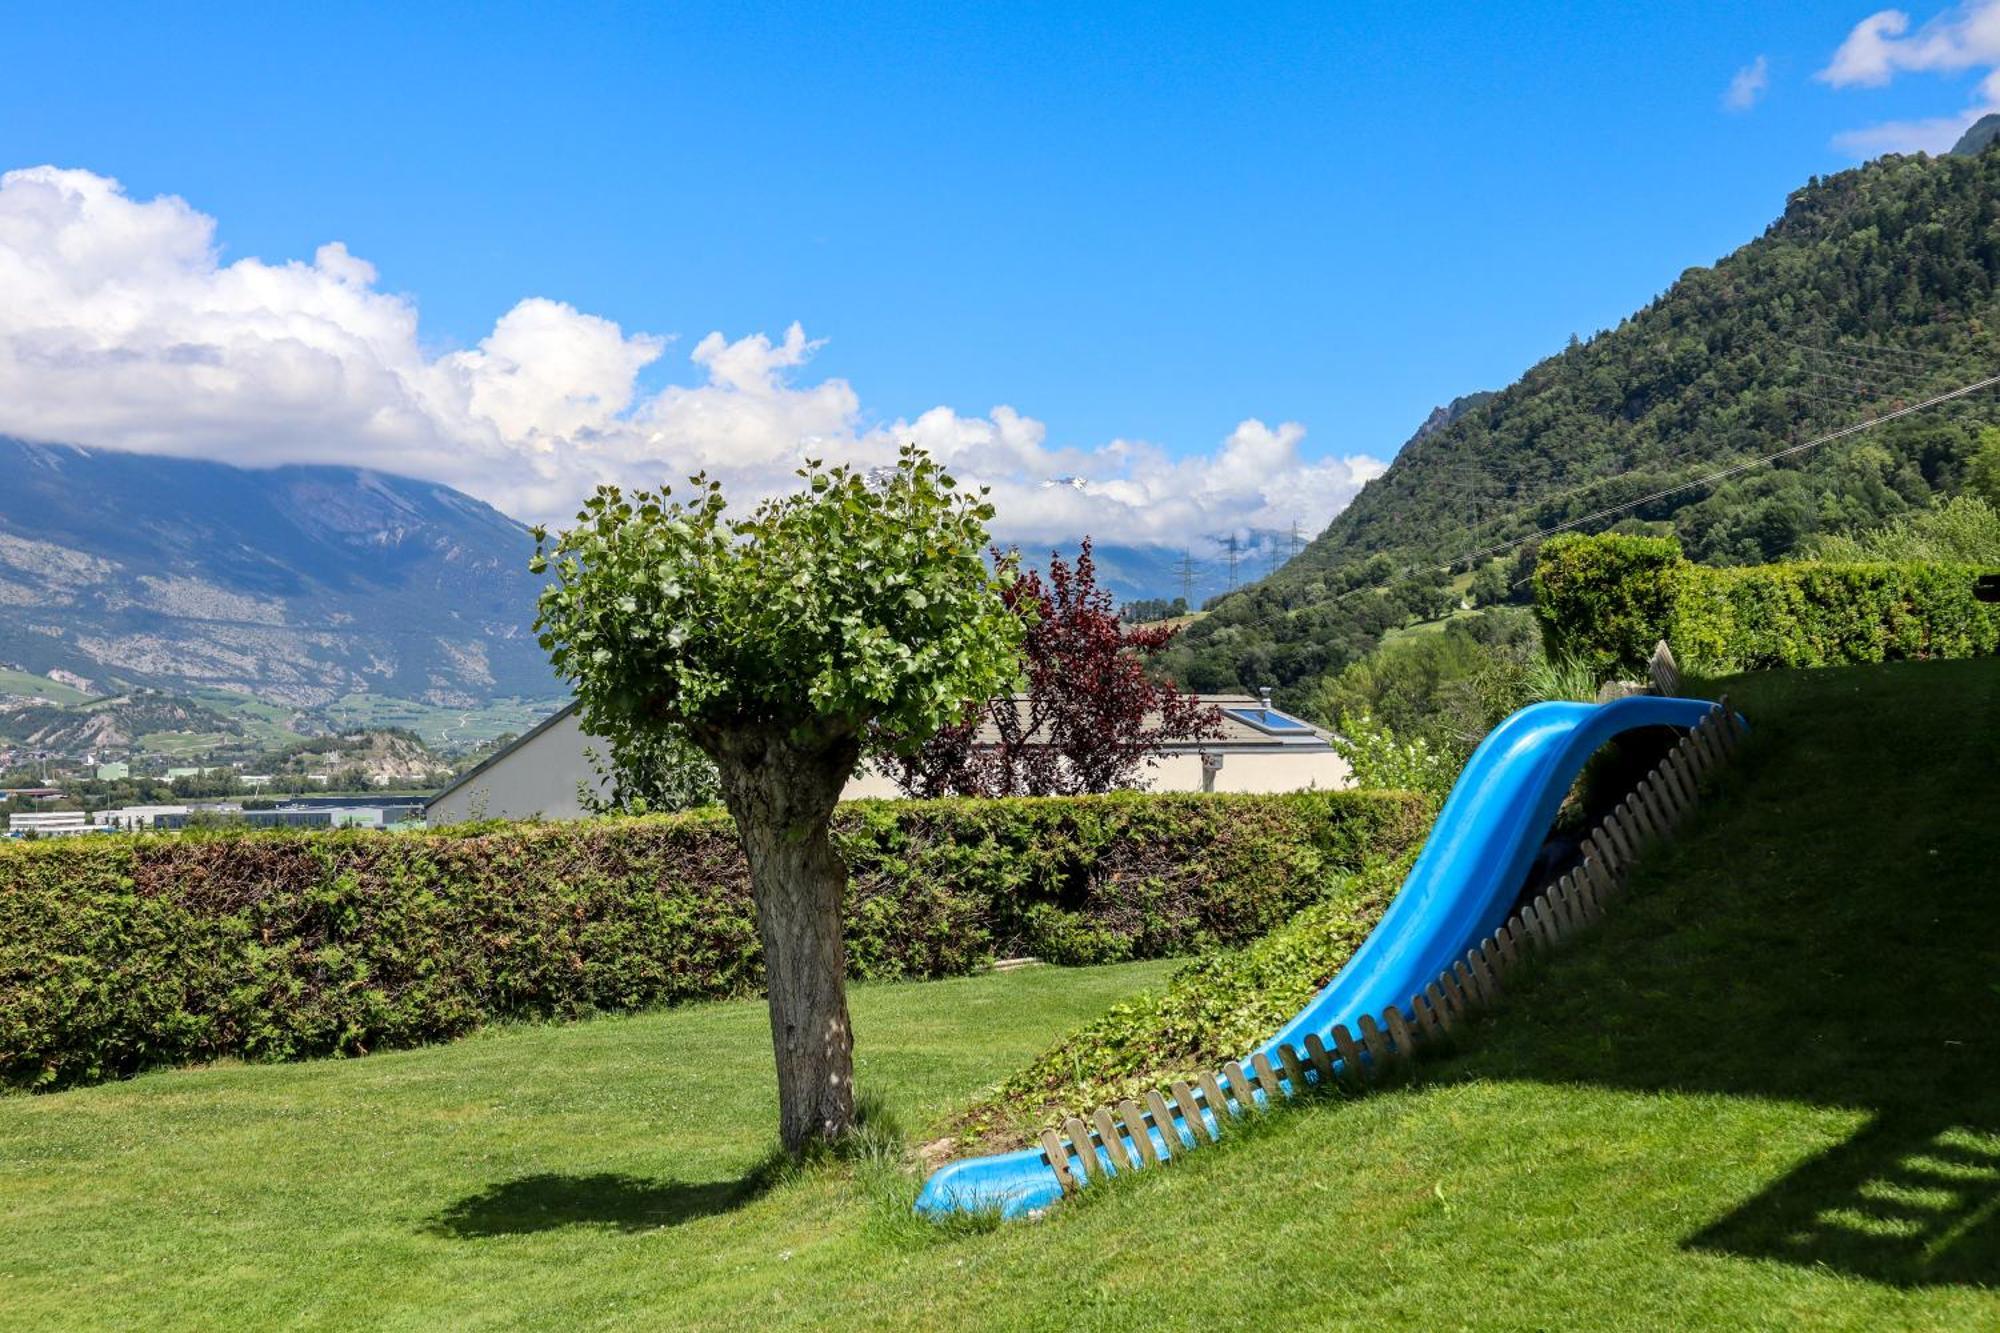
{"points": [[1740, 468], [1858, 348], [1863, 359]]}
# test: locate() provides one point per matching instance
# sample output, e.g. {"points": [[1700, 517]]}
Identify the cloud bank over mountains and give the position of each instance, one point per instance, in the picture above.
{"points": [[122, 327]]}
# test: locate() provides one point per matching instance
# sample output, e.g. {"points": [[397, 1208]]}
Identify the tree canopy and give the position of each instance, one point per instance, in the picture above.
{"points": [[856, 599]]}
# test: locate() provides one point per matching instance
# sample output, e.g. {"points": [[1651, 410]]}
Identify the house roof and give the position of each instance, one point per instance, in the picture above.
{"points": [[1244, 723]]}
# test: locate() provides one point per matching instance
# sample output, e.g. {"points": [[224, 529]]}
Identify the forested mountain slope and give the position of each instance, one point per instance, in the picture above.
{"points": [[1874, 290]]}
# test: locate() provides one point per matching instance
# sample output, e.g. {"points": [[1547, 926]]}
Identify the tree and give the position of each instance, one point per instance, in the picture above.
{"points": [[1422, 596], [209, 782], [1982, 474], [657, 772], [1489, 585], [1088, 718], [1148, 609], [350, 777], [774, 642]]}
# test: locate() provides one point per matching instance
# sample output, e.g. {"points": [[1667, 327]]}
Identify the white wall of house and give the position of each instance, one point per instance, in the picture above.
{"points": [[540, 775], [1288, 768], [137, 816], [1291, 768], [538, 778]]}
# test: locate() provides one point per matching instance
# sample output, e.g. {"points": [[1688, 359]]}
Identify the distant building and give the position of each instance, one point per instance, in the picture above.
{"points": [[50, 823], [288, 818], [1261, 749], [236, 817], [133, 818]]}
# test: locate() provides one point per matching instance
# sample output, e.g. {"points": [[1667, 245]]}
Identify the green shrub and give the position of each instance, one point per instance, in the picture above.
{"points": [[1608, 600], [119, 954], [1213, 1008], [1379, 759], [1603, 600]]}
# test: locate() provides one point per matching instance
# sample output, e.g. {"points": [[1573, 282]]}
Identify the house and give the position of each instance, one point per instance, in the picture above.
{"points": [[1260, 749]]}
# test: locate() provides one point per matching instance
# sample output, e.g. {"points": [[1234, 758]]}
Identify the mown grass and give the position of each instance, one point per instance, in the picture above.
{"points": [[1766, 1093], [538, 1173]]}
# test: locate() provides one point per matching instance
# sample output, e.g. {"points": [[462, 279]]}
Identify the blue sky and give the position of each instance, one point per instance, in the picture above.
{"points": [[1146, 223]]}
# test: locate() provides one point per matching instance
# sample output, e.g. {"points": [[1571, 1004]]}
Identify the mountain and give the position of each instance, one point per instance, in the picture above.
{"points": [[1874, 290], [1441, 417], [1137, 572], [296, 585], [1982, 132]]}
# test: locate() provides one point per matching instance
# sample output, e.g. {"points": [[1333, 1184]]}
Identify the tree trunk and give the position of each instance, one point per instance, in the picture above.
{"points": [[782, 796]]}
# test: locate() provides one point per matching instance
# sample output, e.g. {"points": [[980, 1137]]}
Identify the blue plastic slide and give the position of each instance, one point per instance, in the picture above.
{"points": [[1459, 892]]}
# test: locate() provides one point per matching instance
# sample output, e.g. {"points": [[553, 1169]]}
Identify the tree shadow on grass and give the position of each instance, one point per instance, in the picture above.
{"points": [[549, 1201], [1828, 933], [1911, 1200]]}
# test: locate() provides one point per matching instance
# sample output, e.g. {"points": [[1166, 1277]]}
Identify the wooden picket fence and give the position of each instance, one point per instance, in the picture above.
{"points": [[1666, 673], [1167, 1122]]}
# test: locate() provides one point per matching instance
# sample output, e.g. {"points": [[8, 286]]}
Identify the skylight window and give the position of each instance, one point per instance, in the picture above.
{"points": [[1269, 721]]}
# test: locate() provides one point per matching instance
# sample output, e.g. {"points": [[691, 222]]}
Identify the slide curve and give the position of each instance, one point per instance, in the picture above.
{"points": [[1460, 891]]}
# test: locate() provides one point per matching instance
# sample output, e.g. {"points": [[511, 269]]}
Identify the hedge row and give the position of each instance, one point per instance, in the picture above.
{"points": [[1609, 599], [119, 954]]}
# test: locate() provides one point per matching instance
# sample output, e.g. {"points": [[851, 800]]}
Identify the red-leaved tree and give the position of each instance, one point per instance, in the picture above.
{"points": [[1088, 718]]}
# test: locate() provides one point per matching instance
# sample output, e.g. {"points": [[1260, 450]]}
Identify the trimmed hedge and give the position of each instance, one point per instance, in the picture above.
{"points": [[120, 954], [1609, 599], [1606, 600]]}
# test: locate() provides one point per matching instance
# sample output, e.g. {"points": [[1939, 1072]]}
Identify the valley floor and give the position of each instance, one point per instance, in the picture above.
{"points": [[1766, 1094]]}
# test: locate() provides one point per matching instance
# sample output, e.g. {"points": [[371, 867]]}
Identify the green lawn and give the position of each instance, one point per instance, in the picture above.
{"points": [[1765, 1094], [538, 1173], [1419, 628]]}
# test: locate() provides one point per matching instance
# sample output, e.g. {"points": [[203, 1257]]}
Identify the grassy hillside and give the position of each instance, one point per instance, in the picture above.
{"points": [[26, 685], [1875, 289], [1765, 1094]]}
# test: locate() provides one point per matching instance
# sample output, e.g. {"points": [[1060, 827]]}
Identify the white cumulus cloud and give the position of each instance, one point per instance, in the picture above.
{"points": [[122, 327], [1883, 46], [1747, 88]]}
